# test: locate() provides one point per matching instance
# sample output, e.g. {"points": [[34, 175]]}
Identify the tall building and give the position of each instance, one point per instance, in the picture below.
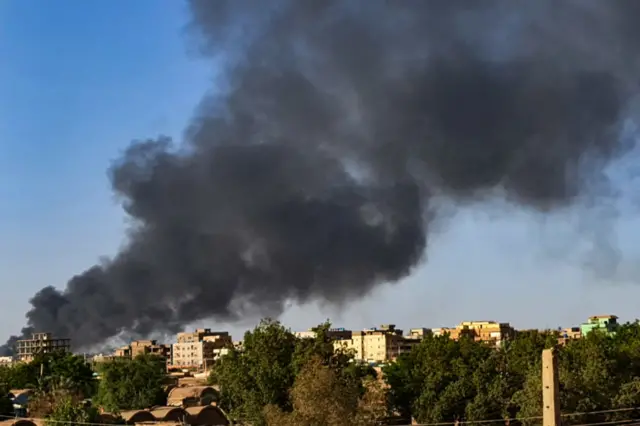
{"points": [[377, 345], [606, 323], [200, 348], [40, 343]]}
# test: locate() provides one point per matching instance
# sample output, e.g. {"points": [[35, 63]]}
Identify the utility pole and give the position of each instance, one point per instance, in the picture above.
{"points": [[550, 389]]}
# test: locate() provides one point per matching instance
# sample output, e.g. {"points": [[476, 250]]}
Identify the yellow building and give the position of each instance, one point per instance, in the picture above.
{"points": [[377, 344], [485, 331], [480, 331]]}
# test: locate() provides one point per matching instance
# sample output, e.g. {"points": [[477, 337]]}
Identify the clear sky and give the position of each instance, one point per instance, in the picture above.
{"points": [[80, 79]]}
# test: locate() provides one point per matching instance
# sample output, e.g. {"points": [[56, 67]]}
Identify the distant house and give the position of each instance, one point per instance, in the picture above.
{"points": [[606, 323]]}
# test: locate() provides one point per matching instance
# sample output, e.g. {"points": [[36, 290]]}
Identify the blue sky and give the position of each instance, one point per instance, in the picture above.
{"points": [[80, 79]]}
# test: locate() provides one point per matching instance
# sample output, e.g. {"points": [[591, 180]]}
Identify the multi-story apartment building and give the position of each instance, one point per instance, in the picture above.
{"points": [[200, 348], [606, 323], [140, 347], [377, 344], [484, 331], [333, 333], [40, 343], [199, 334], [151, 347]]}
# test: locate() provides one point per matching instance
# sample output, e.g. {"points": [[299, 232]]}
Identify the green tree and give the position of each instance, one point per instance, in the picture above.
{"points": [[46, 370], [20, 376], [260, 374], [65, 370], [437, 380], [321, 347], [320, 396], [443, 380], [71, 411], [263, 372], [129, 384], [61, 405]]}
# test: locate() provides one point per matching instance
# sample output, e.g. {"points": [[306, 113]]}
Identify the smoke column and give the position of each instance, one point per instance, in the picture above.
{"points": [[313, 170]]}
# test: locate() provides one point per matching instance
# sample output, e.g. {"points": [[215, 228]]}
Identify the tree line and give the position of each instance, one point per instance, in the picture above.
{"points": [[65, 388], [279, 379]]}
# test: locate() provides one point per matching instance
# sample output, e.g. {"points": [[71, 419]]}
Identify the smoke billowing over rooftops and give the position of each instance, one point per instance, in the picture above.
{"points": [[312, 173]]}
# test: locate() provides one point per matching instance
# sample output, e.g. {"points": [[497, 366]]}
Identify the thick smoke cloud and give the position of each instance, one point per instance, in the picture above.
{"points": [[313, 170]]}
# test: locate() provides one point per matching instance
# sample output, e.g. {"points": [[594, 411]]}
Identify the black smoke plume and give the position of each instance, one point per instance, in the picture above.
{"points": [[313, 170]]}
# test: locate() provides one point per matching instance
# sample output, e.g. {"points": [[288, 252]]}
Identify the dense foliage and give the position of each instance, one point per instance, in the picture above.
{"points": [[443, 380], [61, 405], [263, 373], [50, 370], [131, 384], [69, 410], [439, 380], [321, 396], [276, 378]]}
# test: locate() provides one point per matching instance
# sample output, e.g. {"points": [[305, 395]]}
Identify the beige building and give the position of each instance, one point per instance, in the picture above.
{"points": [[441, 331], [40, 343], [481, 331], [418, 333], [568, 334], [378, 344], [200, 348], [143, 347], [333, 333], [150, 347], [200, 334]]}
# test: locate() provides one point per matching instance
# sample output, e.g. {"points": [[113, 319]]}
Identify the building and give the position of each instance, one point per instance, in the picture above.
{"points": [[377, 345], [123, 352], [333, 333], [150, 347], [606, 323], [436, 332], [142, 347], [6, 360], [480, 331], [485, 331], [40, 343], [199, 334], [567, 334], [418, 333], [199, 349]]}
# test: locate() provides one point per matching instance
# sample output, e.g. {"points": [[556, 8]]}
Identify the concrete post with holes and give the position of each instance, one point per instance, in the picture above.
{"points": [[550, 389]]}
